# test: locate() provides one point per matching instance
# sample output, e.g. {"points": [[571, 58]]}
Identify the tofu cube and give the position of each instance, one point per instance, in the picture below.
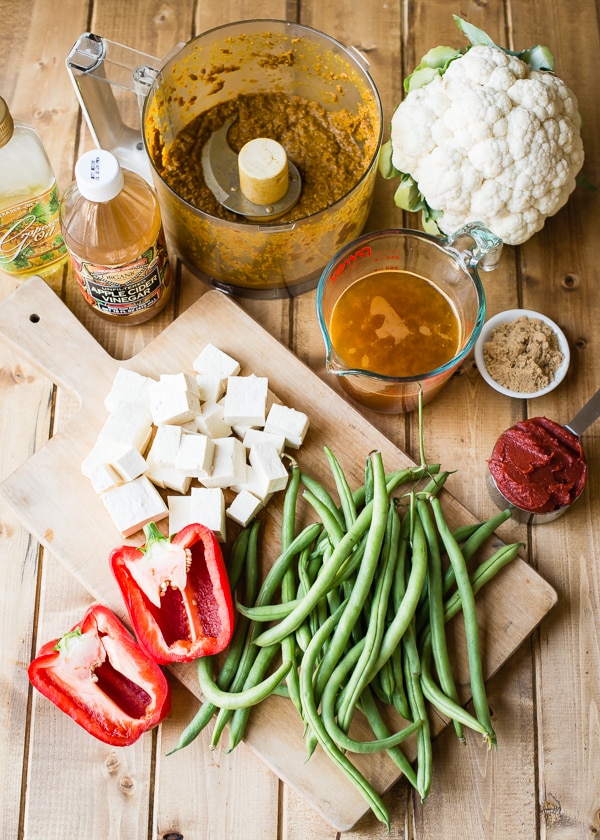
{"points": [[269, 468], [195, 455], [161, 458], [210, 422], [134, 504], [229, 464], [217, 362], [208, 508], [243, 508], [180, 513], [252, 436], [174, 399], [128, 386], [104, 477], [255, 485], [245, 401], [129, 464], [289, 422], [211, 387], [129, 424]]}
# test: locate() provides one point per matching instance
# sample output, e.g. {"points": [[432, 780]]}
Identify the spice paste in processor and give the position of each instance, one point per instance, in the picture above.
{"points": [[331, 149], [538, 465]]}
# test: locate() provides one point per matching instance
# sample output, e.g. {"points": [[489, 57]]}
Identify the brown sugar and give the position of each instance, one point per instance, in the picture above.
{"points": [[523, 355]]}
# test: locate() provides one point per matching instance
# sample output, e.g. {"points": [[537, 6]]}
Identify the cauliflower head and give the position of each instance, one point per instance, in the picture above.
{"points": [[491, 140]]}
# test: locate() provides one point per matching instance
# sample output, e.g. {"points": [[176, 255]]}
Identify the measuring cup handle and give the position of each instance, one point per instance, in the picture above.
{"points": [[585, 416], [485, 253]]}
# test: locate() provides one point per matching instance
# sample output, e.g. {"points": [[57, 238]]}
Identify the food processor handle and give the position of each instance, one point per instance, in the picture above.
{"points": [[585, 416], [96, 66], [485, 254]]}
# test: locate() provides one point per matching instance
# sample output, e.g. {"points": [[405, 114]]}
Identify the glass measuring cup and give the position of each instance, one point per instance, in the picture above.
{"points": [[571, 433], [450, 264]]}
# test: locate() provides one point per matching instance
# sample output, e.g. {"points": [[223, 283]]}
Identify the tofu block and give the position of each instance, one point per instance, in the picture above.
{"points": [[245, 400], [253, 484], [209, 421], [104, 477], [128, 386], [217, 362], [129, 424], [160, 460], [129, 464], [180, 513], [195, 455], [243, 508], [208, 508], [270, 470], [289, 422], [134, 504], [229, 464], [252, 436], [174, 399], [169, 478], [211, 387], [102, 452]]}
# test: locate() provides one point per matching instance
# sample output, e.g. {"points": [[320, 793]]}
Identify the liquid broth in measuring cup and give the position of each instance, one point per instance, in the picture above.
{"points": [[394, 323]]}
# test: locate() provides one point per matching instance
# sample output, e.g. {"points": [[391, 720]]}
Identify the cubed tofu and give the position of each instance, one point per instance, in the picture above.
{"points": [[287, 421], [215, 361], [174, 399], [245, 401], [161, 458], [129, 424], [104, 477], [208, 508], [128, 386], [180, 513], [229, 464], [129, 464], [269, 468], [243, 508], [195, 455], [253, 484], [211, 387], [260, 436], [210, 421], [134, 504]]}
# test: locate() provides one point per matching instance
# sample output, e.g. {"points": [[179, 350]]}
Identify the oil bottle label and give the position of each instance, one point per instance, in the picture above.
{"points": [[30, 236], [129, 288]]}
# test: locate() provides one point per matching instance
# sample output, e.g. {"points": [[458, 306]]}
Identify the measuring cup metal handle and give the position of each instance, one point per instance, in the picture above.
{"points": [[585, 416], [487, 248]]}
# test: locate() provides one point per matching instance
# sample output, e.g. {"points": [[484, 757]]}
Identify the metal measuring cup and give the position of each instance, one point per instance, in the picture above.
{"points": [[582, 420]]}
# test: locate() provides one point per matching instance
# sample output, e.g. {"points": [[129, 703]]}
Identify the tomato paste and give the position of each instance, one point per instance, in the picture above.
{"points": [[539, 465]]}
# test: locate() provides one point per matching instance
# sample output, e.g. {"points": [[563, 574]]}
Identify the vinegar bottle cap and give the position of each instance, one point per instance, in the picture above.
{"points": [[99, 176], [6, 123]]}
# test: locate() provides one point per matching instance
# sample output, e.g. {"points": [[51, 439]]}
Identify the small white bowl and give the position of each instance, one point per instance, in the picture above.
{"points": [[506, 317]]}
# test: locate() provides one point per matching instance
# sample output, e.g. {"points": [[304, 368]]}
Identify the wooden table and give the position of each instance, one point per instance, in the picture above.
{"points": [[543, 781]]}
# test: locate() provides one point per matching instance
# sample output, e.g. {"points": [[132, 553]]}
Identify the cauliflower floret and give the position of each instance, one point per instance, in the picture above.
{"points": [[490, 140]]}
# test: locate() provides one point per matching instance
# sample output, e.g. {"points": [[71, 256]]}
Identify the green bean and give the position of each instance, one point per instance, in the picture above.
{"points": [[340, 737], [345, 494], [436, 611], [377, 724], [317, 490], [237, 557], [239, 718], [273, 577], [395, 479], [482, 532], [331, 523], [314, 721], [288, 588], [398, 699], [363, 580], [236, 700], [376, 619], [419, 712], [470, 618]]}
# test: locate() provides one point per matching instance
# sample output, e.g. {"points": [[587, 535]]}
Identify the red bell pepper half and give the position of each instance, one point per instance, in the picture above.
{"points": [[177, 593], [98, 674]]}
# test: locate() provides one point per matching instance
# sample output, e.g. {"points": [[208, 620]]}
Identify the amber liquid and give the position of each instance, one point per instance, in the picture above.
{"points": [[394, 323]]}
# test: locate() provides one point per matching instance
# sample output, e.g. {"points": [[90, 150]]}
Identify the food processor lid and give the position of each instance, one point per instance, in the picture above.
{"points": [[99, 176], [7, 126]]}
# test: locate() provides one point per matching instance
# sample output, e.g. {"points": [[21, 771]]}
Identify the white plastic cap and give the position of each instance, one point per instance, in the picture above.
{"points": [[98, 175]]}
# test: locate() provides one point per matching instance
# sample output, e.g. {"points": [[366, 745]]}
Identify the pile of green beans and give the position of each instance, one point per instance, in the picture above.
{"points": [[351, 616]]}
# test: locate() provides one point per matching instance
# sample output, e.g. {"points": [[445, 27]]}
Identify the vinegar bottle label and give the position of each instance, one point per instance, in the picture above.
{"points": [[125, 289], [30, 235]]}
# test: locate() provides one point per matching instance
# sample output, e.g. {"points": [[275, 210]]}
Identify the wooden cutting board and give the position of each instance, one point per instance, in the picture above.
{"points": [[59, 507]]}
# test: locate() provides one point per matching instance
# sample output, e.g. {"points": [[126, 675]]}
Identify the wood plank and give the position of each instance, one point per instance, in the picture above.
{"points": [[60, 519]]}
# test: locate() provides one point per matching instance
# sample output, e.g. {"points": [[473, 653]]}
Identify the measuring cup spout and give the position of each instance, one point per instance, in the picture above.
{"points": [[485, 249]]}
